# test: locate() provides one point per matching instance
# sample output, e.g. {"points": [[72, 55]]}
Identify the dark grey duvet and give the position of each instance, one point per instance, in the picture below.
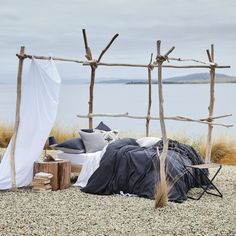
{"points": [[127, 167]]}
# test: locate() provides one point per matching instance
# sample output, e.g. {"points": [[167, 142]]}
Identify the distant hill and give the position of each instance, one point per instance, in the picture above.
{"points": [[197, 78], [121, 81], [200, 78]]}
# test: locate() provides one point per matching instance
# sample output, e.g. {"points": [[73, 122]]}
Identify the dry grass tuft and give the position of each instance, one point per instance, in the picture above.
{"points": [[221, 148], [62, 133], [161, 194], [6, 131]]}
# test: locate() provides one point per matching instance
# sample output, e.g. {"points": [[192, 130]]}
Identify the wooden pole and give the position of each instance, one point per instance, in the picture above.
{"points": [[93, 64], [161, 112], [107, 47], [150, 68], [17, 118], [176, 118], [161, 196], [211, 105], [164, 66], [87, 63], [91, 89], [93, 67]]}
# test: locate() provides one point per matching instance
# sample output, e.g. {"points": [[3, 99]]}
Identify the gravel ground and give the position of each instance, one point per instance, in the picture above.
{"points": [[71, 212]]}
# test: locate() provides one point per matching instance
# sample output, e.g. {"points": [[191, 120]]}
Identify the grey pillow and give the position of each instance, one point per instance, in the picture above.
{"points": [[74, 145], [102, 126], [93, 142]]}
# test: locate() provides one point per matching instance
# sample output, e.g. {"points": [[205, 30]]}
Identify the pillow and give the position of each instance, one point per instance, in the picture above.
{"points": [[51, 140], [102, 126], [74, 146], [109, 136], [87, 130], [93, 142], [147, 141]]}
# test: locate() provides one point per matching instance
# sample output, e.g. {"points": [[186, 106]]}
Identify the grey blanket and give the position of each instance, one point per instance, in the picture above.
{"points": [[127, 167]]}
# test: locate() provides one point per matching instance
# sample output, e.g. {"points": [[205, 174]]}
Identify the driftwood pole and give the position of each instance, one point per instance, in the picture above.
{"points": [[161, 196], [93, 64], [177, 118], [150, 68], [89, 57], [17, 118], [211, 105]]}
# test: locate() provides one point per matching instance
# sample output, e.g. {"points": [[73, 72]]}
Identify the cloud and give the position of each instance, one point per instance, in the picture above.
{"points": [[55, 27]]}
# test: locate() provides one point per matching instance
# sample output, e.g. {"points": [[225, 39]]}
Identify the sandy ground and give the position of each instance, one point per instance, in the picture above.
{"points": [[71, 212]]}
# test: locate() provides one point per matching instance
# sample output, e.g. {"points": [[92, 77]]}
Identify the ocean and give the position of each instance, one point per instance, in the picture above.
{"points": [[191, 100]]}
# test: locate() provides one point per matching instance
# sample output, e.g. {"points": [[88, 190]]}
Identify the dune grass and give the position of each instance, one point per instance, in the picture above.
{"points": [[6, 131], [222, 146], [62, 133]]}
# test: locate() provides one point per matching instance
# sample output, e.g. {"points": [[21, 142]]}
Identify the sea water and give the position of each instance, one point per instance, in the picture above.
{"points": [[190, 100]]}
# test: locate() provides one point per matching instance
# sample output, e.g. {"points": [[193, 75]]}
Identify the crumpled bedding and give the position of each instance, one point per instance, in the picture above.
{"points": [[126, 167]]}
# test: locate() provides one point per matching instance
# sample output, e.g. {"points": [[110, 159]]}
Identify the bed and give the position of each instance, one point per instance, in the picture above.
{"points": [[125, 166]]}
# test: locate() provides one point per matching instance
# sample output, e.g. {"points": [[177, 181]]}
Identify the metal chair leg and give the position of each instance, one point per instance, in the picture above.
{"points": [[205, 188]]}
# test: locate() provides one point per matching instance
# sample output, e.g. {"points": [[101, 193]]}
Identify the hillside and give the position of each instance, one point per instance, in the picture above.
{"points": [[200, 78], [197, 78]]}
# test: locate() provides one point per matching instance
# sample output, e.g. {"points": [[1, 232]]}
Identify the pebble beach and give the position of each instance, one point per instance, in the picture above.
{"points": [[72, 212]]}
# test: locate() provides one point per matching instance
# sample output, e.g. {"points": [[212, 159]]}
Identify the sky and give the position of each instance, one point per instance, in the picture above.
{"points": [[55, 28]]}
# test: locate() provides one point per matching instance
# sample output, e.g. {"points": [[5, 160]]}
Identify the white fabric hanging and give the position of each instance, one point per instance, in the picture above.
{"points": [[40, 97]]}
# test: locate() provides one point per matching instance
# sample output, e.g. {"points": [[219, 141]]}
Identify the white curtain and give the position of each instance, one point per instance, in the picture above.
{"points": [[40, 97]]}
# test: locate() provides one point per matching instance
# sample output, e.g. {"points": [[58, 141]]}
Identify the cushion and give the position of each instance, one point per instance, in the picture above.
{"points": [[93, 142], [87, 130], [147, 141], [74, 145], [109, 136], [102, 126]]}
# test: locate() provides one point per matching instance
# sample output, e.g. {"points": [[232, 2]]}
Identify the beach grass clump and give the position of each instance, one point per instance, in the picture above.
{"points": [[221, 146], [62, 133], [6, 131]]}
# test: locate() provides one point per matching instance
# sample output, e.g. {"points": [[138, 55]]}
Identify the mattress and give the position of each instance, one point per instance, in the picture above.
{"points": [[75, 159], [78, 159]]}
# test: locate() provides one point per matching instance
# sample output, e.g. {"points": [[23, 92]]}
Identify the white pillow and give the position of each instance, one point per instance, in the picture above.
{"points": [[109, 136], [147, 141]]}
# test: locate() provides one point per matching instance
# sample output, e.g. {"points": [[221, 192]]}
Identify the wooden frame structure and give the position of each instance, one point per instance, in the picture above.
{"points": [[159, 64]]}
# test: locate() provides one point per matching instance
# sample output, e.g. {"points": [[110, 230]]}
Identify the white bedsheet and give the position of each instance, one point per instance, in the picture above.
{"points": [[89, 167]]}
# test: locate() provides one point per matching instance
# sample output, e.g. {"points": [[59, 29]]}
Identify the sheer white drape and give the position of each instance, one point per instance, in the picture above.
{"points": [[40, 97]]}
